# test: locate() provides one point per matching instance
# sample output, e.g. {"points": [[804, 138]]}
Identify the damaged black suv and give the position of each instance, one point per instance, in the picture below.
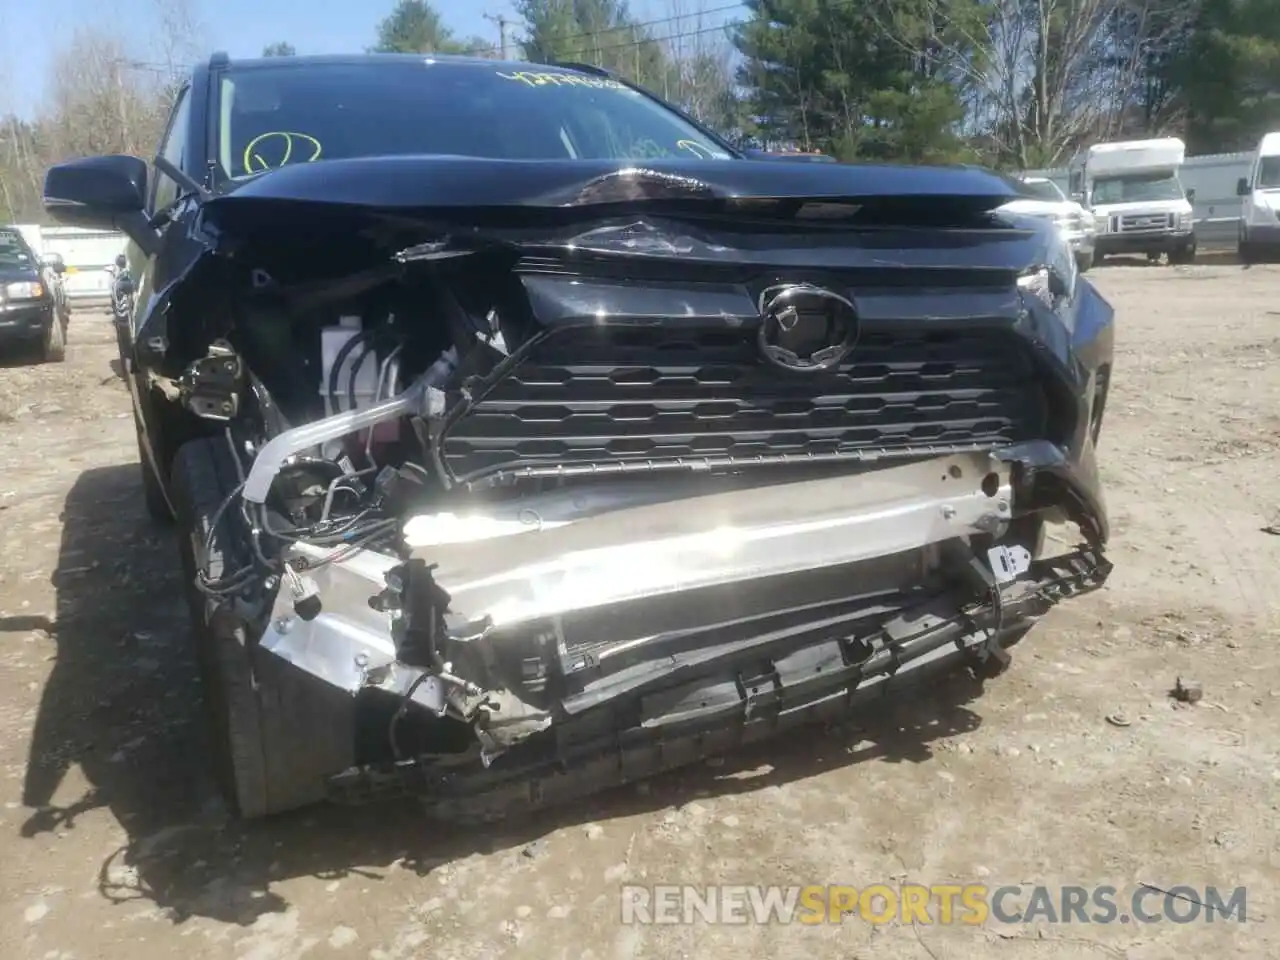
{"points": [[525, 437]]}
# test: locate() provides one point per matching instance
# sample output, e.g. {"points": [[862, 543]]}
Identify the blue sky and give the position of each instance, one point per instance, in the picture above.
{"points": [[241, 27]]}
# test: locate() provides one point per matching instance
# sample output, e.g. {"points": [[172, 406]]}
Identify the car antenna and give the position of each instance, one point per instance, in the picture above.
{"points": [[171, 171]]}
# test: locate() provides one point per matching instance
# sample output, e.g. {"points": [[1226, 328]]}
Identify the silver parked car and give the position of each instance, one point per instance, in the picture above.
{"points": [[1041, 197]]}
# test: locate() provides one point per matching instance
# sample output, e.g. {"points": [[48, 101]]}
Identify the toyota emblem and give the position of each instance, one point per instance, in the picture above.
{"points": [[806, 328]]}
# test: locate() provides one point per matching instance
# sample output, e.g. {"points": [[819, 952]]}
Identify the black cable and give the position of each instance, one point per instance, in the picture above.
{"points": [[322, 532], [401, 711], [255, 529], [356, 364], [220, 584], [341, 358], [225, 587]]}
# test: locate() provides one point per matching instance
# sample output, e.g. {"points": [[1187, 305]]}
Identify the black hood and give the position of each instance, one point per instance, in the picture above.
{"points": [[443, 182], [742, 212]]}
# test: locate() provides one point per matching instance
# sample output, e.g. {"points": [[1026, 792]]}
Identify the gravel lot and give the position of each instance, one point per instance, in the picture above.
{"points": [[113, 845]]}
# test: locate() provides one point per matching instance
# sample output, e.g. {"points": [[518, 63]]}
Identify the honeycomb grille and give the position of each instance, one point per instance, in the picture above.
{"points": [[601, 398]]}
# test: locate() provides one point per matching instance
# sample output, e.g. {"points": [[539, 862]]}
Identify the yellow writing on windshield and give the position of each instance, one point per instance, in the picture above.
{"points": [[647, 149], [532, 79], [699, 150], [273, 149]]}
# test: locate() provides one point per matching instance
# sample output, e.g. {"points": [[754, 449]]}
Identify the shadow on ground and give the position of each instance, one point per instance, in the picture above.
{"points": [[123, 703], [20, 353], [1203, 258]]}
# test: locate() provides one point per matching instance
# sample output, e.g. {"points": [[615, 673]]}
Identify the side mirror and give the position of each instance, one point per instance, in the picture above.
{"points": [[54, 262], [1078, 197], [106, 193], [124, 285], [1191, 196], [1242, 187], [121, 261]]}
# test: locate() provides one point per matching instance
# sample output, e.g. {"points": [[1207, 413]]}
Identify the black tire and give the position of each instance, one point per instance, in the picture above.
{"points": [[122, 346], [277, 733], [53, 349], [1246, 252], [158, 508], [1183, 256]]}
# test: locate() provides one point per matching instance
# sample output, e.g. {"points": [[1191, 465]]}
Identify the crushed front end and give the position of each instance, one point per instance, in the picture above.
{"points": [[644, 637], [635, 487]]}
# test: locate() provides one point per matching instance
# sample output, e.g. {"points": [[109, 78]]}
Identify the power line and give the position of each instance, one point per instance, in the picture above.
{"points": [[684, 35], [669, 37], [152, 67], [592, 34], [643, 25], [671, 18]]}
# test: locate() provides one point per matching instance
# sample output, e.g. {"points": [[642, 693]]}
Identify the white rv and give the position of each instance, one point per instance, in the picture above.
{"points": [[1260, 203], [1138, 202]]}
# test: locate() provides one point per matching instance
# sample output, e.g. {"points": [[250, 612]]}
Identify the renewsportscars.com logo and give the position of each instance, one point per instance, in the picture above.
{"points": [[941, 904]]}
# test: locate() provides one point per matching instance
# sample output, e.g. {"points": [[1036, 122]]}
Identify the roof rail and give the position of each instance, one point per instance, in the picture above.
{"points": [[584, 67]]}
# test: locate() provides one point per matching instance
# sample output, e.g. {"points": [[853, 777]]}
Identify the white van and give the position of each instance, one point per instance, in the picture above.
{"points": [[1138, 202], [1260, 203]]}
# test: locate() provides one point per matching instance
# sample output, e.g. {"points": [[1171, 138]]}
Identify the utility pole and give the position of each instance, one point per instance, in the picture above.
{"points": [[501, 21]]}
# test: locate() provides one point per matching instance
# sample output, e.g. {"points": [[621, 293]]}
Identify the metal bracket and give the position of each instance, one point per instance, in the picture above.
{"points": [[211, 386], [990, 657], [1008, 563]]}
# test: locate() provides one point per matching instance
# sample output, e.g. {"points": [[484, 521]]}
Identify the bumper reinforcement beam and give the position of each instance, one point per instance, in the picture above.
{"points": [[726, 708]]}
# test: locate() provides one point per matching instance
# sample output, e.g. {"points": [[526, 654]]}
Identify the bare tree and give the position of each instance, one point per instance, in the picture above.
{"points": [[104, 95], [180, 34], [700, 72], [1043, 76], [100, 103]]}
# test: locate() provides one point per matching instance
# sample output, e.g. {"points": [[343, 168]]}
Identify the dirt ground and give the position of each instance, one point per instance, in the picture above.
{"points": [[113, 844]]}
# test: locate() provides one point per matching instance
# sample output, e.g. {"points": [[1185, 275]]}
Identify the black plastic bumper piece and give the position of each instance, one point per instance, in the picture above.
{"points": [[715, 713], [25, 322]]}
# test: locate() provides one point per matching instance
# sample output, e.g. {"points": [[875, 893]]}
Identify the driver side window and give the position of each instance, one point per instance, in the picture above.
{"points": [[173, 148]]}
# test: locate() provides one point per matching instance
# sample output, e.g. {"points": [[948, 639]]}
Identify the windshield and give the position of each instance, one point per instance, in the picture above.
{"points": [[1269, 173], [13, 250], [1137, 187], [272, 116], [1042, 190]]}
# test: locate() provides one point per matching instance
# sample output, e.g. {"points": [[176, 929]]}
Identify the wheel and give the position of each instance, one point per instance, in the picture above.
{"points": [[277, 732], [54, 347], [158, 508], [1084, 261], [122, 346], [1183, 255], [1245, 251]]}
